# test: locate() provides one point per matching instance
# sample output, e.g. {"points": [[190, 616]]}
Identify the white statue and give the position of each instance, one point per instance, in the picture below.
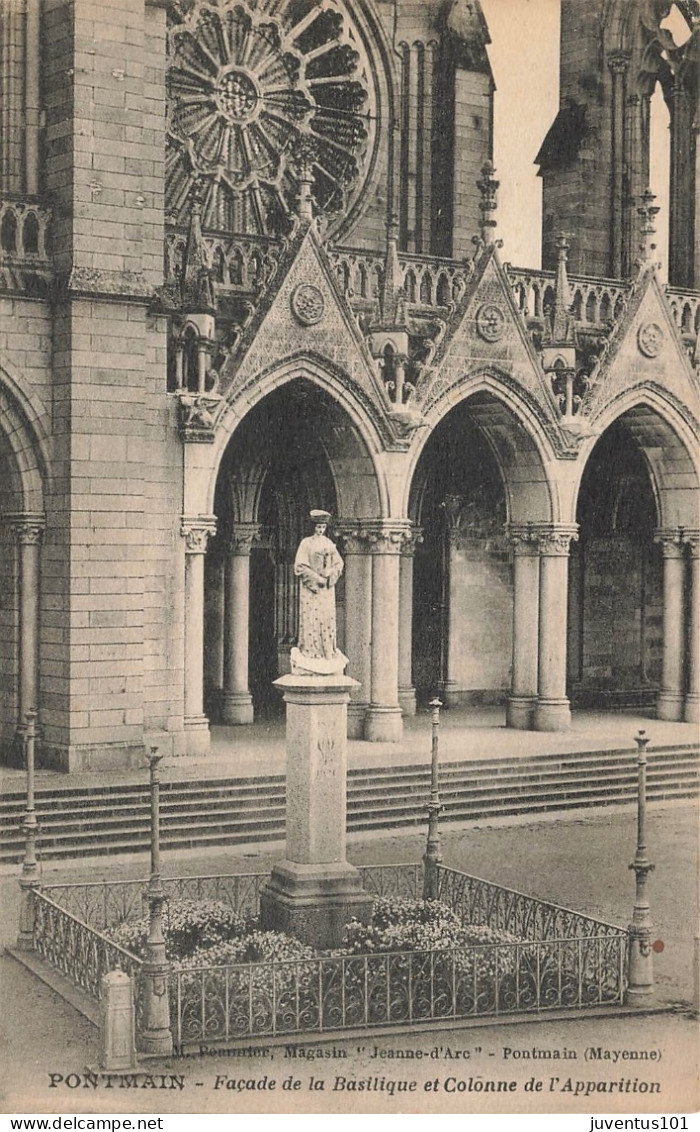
{"points": [[318, 565]]}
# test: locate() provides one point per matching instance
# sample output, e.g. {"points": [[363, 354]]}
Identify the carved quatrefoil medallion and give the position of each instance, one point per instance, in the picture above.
{"points": [[650, 339], [307, 304], [490, 322]]}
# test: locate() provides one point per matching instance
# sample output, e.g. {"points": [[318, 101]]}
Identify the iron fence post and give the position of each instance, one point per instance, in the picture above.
{"points": [[641, 967], [432, 858], [31, 870], [156, 1036]]}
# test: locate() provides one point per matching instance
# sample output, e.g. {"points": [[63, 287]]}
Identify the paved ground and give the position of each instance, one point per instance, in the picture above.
{"points": [[580, 863], [465, 735]]}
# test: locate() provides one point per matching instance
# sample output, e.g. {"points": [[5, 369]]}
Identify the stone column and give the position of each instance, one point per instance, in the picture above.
{"points": [[314, 891], [669, 703], [383, 722], [553, 712], [522, 701], [449, 690], [237, 702], [407, 693], [692, 699], [358, 622], [618, 64], [196, 533], [28, 532]]}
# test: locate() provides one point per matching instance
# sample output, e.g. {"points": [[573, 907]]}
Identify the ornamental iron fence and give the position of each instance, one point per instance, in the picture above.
{"points": [[78, 951], [559, 959], [211, 1005]]}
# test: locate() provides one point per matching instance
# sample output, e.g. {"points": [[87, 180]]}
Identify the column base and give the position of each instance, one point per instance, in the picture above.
{"points": [[383, 724], [552, 715], [313, 903], [407, 700], [197, 735], [669, 706], [236, 708], [691, 713], [520, 712], [357, 713]]}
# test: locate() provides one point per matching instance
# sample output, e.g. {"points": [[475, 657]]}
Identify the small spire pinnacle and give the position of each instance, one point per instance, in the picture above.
{"points": [[488, 188], [647, 213], [392, 288], [305, 181], [197, 291], [561, 322]]}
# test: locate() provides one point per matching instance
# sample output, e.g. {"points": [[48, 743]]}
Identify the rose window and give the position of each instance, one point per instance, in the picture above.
{"points": [[255, 90]]}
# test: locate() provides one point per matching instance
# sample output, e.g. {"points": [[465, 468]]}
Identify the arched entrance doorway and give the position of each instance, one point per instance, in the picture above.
{"points": [[296, 450], [479, 470], [21, 529], [632, 593], [615, 580]]}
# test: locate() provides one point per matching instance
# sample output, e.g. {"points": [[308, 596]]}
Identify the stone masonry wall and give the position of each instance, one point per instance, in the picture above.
{"points": [[104, 169]]}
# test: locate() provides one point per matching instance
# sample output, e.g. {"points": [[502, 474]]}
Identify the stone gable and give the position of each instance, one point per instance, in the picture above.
{"points": [[488, 334], [305, 314], [644, 349]]}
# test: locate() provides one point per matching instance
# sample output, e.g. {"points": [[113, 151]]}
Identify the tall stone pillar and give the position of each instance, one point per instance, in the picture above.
{"points": [[358, 622], [28, 532], [669, 704], [452, 506], [522, 701], [407, 693], [196, 533], [314, 891], [692, 699], [384, 722], [618, 64], [237, 702], [553, 712]]}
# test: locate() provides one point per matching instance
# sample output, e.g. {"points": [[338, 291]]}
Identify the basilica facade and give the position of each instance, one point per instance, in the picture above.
{"points": [[250, 266]]}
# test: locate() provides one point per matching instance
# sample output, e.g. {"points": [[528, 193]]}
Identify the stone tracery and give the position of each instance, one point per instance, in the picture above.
{"points": [[256, 90]]}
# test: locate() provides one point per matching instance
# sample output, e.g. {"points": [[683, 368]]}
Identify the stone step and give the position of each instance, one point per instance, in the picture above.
{"points": [[116, 819], [194, 837], [76, 811]]}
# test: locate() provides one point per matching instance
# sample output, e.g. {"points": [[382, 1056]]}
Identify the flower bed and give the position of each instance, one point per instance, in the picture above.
{"points": [[482, 950], [415, 961]]}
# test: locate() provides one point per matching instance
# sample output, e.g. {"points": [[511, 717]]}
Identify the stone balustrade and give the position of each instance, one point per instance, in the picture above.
{"points": [[595, 301], [686, 310], [240, 263], [429, 282]]}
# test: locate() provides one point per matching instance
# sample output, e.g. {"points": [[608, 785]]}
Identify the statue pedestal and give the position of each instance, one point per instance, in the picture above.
{"points": [[314, 892]]}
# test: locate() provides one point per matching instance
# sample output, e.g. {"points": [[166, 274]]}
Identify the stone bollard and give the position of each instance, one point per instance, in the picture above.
{"points": [[117, 1048]]}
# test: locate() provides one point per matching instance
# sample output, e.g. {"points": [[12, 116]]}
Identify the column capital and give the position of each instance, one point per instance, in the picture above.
{"points": [[197, 531], [28, 529], [411, 541], [671, 541], [354, 534], [524, 538], [242, 539], [555, 539], [390, 536], [378, 536], [619, 62], [691, 538]]}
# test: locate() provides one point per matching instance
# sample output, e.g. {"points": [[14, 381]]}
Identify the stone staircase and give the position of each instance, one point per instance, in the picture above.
{"points": [[208, 813]]}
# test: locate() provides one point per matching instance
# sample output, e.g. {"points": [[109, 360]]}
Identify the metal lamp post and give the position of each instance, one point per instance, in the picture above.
{"points": [[641, 968], [156, 1036], [31, 870], [432, 858]]}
